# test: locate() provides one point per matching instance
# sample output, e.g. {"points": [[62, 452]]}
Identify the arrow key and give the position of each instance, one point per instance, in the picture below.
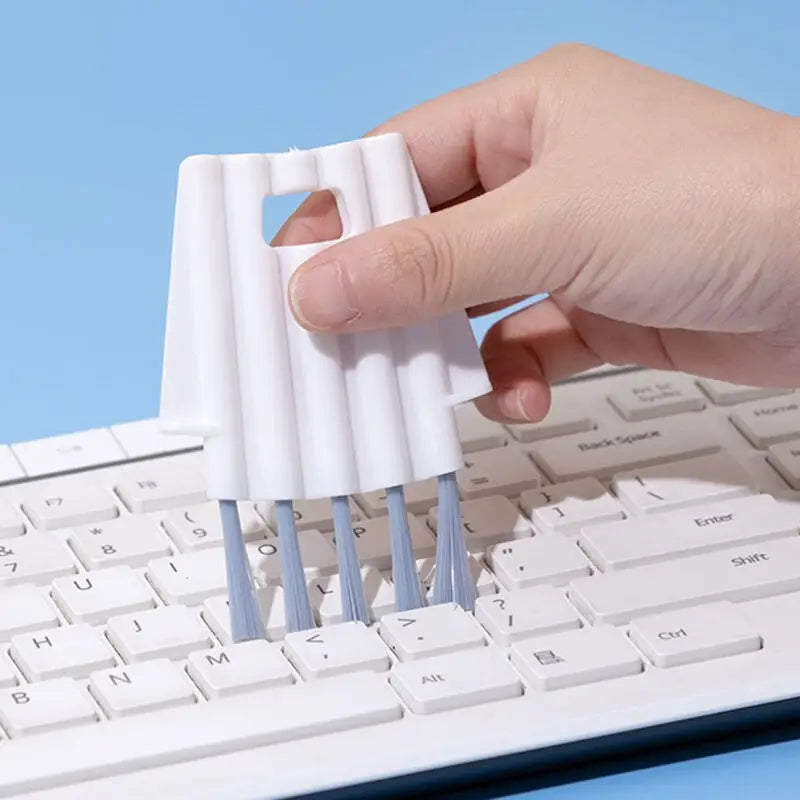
{"points": [[336, 649]]}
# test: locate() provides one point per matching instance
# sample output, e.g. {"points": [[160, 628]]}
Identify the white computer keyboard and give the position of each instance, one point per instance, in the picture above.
{"points": [[637, 560]]}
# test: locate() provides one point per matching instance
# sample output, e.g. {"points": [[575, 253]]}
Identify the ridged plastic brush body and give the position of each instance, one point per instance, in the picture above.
{"points": [[285, 413]]}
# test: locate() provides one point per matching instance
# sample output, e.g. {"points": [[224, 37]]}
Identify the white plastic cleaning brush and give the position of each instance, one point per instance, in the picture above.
{"points": [[286, 413]]}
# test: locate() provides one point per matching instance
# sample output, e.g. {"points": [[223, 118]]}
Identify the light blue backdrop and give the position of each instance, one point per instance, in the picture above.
{"points": [[100, 100]]}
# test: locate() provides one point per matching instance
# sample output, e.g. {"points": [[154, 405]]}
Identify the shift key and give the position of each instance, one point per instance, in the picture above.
{"points": [[735, 574], [603, 452]]}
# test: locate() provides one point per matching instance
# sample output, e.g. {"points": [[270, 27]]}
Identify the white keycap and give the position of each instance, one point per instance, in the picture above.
{"points": [[475, 432], [545, 559], [130, 540], [420, 497], [723, 393], [736, 574], [152, 487], [567, 507], [55, 506], [69, 452], [34, 558], [11, 522], [682, 483], [486, 521], [511, 616], [165, 632], [504, 471], [7, 675], [643, 540], [198, 527], [571, 658], [143, 687], [103, 594], [373, 541], [567, 415], [241, 667], [144, 438], [454, 681], [430, 631], [24, 609], [46, 706], [347, 647], [785, 458], [10, 469], [654, 394], [326, 596], [69, 651], [216, 613], [604, 452], [694, 634], [481, 578], [316, 552], [312, 515], [764, 477], [768, 422], [190, 578]]}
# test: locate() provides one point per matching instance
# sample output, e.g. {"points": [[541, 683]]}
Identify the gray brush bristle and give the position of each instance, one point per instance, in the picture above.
{"points": [[354, 603], [453, 581], [246, 622], [299, 616], [407, 589]]}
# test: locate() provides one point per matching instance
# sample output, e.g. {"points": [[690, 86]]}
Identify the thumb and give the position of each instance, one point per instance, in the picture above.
{"points": [[472, 253]]}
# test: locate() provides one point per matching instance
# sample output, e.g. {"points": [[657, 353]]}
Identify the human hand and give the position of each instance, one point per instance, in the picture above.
{"points": [[662, 217]]}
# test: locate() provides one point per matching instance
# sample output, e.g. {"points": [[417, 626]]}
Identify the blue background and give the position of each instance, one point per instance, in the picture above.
{"points": [[99, 101]]}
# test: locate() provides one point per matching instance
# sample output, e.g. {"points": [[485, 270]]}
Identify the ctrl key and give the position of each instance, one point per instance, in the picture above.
{"points": [[455, 680], [45, 706]]}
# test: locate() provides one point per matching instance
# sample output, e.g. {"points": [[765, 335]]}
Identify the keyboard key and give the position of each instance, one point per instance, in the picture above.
{"points": [[189, 579], [654, 394], [149, 487], [544, 559], [785, 458], [486, 521], [572, 658], [316, 552], [7, 675], [131, 541], [694, 634], [240, 667], [567, 416], [504, 471], [566, 507], [165, 632], [736, 574], [373, 541], [198, 527], [216, 613], [723, 393], [511, 616], [475, 432], [24, 609], [141, 687], [10, 469], [46, 706], [313, 514], [768, 422], [347, 647], [70, 651], [69, 452], [144, 438], [764, 477], [644, 540], [326, 596], [62, 506], [34, 558], [420, 497], [103, 594], [11, 522], [430, 631], [454, 681], [682, 483], [605, 452], [481, 578]]}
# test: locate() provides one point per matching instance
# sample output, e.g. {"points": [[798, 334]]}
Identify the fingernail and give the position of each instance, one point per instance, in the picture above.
{"points": [[511, 404], [321, 296]]}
